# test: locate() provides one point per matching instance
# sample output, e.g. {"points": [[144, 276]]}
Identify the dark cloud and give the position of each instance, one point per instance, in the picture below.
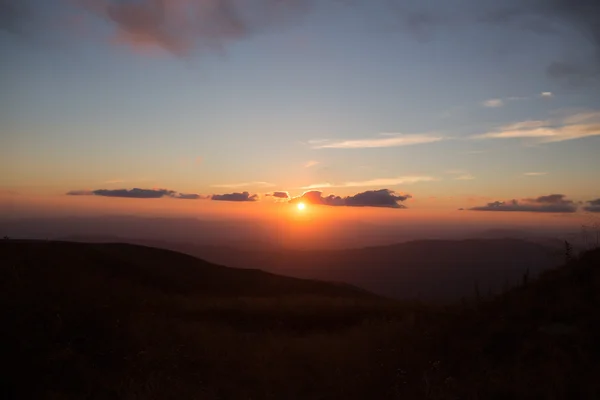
{"points": [[280, 195], [593, 206], [551, 199], [554, 203], [370, 198], [245, 196], [134, 193], [137, 193]]}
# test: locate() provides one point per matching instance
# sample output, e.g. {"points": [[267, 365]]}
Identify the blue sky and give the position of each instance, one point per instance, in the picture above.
{"points": [[419, 98]]}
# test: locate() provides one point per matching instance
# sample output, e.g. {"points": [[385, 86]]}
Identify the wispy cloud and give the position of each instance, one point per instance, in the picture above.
{"points": [[402, 180], [244, 184], [387, 141], [573, 127], [464, 177], [460, 174], [493, 103], [535, 173], [500, 102], [311, 163], [317, 186]]}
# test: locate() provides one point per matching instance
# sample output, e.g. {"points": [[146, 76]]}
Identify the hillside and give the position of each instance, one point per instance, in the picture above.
{"points": [[130, 322], [158, 269], [424, 269]]}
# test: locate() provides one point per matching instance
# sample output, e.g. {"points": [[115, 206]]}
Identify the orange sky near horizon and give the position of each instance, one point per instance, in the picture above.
{"points": [[16, 205]]}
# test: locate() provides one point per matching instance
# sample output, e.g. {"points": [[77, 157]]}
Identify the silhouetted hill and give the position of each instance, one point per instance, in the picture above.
{"points": [[424, 269], [159, 269], [130, 322], [539, 340]]}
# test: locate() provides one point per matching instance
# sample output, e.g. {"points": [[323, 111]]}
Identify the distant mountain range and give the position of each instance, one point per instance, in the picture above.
{"points": [[441, 269], [265, 235], [423, 269]]}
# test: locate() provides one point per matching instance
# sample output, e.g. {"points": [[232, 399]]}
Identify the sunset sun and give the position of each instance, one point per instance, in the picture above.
{"points": [[301, 206]]}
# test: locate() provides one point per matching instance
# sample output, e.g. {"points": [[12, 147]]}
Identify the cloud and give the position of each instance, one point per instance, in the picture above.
{"points": [[182, 26], [243, 184], [401, 180], [593, 206], [573, 127], [244, 196], [465, 177], [535, 173], [493, 103], [461, 175], [318, 186], [392, 141], [135, 193], [554, 203], [280, 195], [501, 102], [371, 198], [311, 163]]}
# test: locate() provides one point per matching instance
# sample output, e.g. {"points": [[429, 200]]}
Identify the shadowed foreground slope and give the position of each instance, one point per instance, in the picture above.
{"points": [[129, 322]]}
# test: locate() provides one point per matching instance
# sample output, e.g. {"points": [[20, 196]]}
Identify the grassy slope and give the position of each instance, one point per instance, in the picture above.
{"points": [[120, 321]]}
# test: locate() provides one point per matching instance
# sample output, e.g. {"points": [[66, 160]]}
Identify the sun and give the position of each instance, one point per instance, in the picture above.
{"points": [[301, 206]]}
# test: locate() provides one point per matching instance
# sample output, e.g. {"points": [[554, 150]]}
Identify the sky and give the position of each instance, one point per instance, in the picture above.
{"points": [[199, 105]]}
